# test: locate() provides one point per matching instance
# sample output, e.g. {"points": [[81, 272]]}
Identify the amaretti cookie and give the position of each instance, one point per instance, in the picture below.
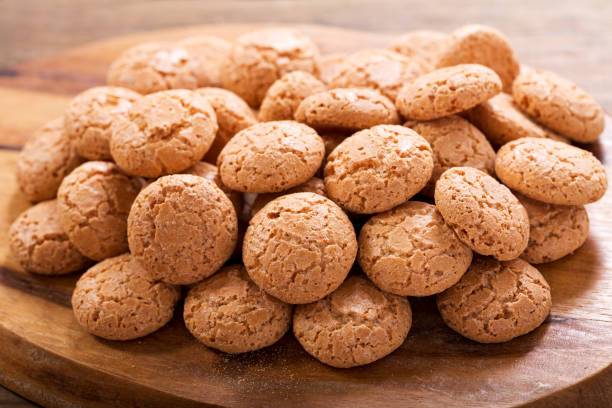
{"points": [[446, 91], [299, 247], [44, 161], [410, 251], [383, 70], [484, 45], [40, 245], [93, 205], [90, 115], [484, 214], [259, 58], [555, 230], [163, 133], [346, 109], [496, 301], [455, 142], [355, 325], [230, 313], [182, 228], [233, 115], [211, 172], [422, 44], [270, 157], [376, 169], [117, 300], [329, 65], [286, 94], [551, 171], [314, 185], [208, 53]]}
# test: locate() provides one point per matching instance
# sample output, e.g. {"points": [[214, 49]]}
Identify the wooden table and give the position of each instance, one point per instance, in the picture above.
{"points": [[574, 39]]}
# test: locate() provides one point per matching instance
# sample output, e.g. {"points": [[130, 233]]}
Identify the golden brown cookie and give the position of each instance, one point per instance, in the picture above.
{"points": [[446, 91], [410, 251], [46, 158], [314, 185], [355, 325], [331, 140], [484, 214], [163, 133], [228, 312], [90, 115], [93, 204], [182, 228], [259, 58], [422, 44], [208, 53], [299, 247], [484, 45], [233, 115], [551, 171], [559, 104], [554, 230], [116, 300], [496, 301], [329, 65], [455, 142], [270, 157], [346, 108], [40, 245], [383, 70], [211, 172], [285, 95], [376, 169]]}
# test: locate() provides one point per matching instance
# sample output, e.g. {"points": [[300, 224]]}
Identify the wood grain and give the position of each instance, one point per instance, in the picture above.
{"points": [[49, 359]]}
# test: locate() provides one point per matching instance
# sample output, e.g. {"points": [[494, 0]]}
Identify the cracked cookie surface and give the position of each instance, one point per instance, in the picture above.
{"points": [[551, 171], [116, 300], [93, 205], [410, 251], [163, 133], [182, 228], [378, 168], [230, 313], [484, 213], [355, 325], [329, 65], [299, 247], [446, 91], [211, 172], [270, 157], [496, 301], [423, 44], [314, 185], [208, 53], [39, 243]]}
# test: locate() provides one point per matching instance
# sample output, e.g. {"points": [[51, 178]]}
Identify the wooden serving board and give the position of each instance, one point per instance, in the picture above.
{"points": [[46, 357]]}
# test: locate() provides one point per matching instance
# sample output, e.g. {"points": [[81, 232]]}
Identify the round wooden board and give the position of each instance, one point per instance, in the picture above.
{"points": [[46, 357]]}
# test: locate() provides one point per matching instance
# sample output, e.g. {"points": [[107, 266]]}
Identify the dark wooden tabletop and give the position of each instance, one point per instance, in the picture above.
{"points": [[545, 33]]}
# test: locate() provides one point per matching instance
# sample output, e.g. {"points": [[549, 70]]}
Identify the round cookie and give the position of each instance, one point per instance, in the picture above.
{"points": [[299, 247], [208, 53], [89, 117], [496, 301], [211, 172], [38, 242], [554, 230], [259, 58], [233, 115], [377, 169], [228, 312], [93, 204], [551, 171], [346, 108], [480, 44], [559, 104], [422, 44], [182, 228], [329, 65], [446, 91], [270, 157], [355, 325], [44, 161], [314, 185], [285, 95], [410, 251], [455, 142], [383, 70], [484, 214], [163, 133], [116, 300]]}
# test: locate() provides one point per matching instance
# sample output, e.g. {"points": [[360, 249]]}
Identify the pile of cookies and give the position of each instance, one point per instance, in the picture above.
{"points": [[279, 188]]}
